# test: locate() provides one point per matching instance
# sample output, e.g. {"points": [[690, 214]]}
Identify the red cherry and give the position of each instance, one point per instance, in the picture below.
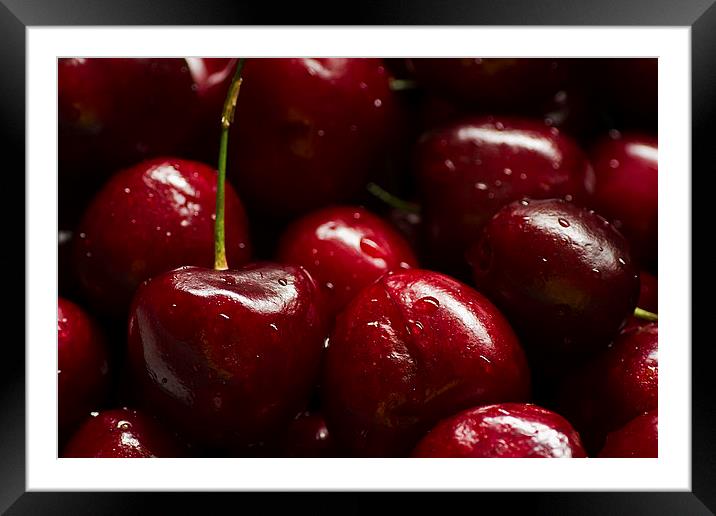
{"points": [[116, 112], [562, 275], [626, 189], [82, 368], [309, 131], [492, 83], [410, 349], [345, 248], [469, 170], [148, 219], [638, 438], [308, 436], [228, 357], [122, 433], [516, 430], [615, 387], [648, 292]]}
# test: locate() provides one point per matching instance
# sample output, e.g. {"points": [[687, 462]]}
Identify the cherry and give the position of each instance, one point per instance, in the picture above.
{"points": [[648, 292], [227, 356], [617, 386], [626, 189], [122, 433], [309, 131], [115, 112], [648, 300], [308, 436], [469, 170], [517, 430], [410, 349], [345, 248], [82, 365], [492, 83], [562, 275], [638, 438], [148, 219]]}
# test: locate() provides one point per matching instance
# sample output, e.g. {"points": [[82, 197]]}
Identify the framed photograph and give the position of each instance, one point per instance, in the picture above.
{"points": [[406, 252]]}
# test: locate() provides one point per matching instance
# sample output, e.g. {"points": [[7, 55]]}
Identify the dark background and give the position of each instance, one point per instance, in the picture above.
{"points": [[15, 15]]}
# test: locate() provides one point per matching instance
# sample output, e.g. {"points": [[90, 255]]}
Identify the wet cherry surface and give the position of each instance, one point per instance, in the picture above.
{"points": [[562, 274], [122, 433], [615, 387], [228, 357], [412, 348], [308, 436], [516, 430], [492, 83], [148, 219], [638, 438], [114, 113], [470, 169], [345, 248], [626, 189], [309, 131], [82, 366]]}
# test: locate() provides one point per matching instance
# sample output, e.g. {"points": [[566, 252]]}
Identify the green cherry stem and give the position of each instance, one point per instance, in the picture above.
{"points": [[640, 313], [392, 200], [227, 117], [402, 84]]}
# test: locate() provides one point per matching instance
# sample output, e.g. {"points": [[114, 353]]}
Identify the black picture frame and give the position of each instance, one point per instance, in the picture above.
{"points": [[17, 15]]}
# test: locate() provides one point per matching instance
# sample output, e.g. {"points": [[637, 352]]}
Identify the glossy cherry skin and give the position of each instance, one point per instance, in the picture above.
{"points": [[309, 131], [562, 274], [82, 365], [308, 436], [228, 357], [492, 83], [412, 348], [345, 248], [616, 387], [148, 219], [626, 189], [507, 430], [638, 438], [113, 113], [122, 433], [470, 169]]}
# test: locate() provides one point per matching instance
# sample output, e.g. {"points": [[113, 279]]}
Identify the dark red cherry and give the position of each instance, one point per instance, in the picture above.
{"points": [[228, 357], [648, 292], [148, 219], [615, 387], [309, 131], [122, 433], [345, 248], [626, 189], [307, 436], [563, 275], [115, 112], [638, 438], [494, 84], [82, 366], [469, 170], [516, 430], [648, 299], [412, 348]]}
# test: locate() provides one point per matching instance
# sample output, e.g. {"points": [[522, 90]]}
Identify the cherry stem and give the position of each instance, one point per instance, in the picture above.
{"points": [[227, 117], [402, 84], [640, 313], [391, 200]]}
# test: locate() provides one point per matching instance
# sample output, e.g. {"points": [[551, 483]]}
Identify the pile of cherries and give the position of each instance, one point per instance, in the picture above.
{"points": [[426, 257]]}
